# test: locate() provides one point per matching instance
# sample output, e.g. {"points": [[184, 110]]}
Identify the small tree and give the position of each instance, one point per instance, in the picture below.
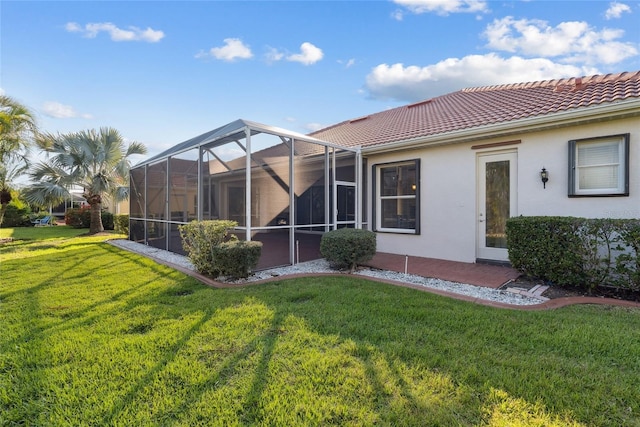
{"points": [[96, 160]]}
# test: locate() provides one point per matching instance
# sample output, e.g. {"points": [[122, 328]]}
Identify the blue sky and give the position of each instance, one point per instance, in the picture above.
{"points": [[162, 72]]}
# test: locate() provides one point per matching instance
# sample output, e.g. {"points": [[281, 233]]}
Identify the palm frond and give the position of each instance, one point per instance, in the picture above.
{"points": [[122, 170], [45, 140], [44, 193], [121, 193], [17, 128], [135, 148], [51, 173], [10, 171]]}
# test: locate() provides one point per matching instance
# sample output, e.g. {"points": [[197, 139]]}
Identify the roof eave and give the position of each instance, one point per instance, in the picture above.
{"points": [[590, 114]]}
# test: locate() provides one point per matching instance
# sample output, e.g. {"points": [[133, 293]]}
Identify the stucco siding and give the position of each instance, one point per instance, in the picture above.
{"points": [[550, 149], [448, 188], [447, 205]]}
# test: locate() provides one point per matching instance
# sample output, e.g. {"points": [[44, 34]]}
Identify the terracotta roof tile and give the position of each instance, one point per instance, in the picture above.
{"points": [[480, 106]]}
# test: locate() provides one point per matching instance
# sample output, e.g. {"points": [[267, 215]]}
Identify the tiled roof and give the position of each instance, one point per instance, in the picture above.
{"points": [[480, 106]]}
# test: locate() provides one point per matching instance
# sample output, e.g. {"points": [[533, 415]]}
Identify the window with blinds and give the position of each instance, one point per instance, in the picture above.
{"points": [[599, 166]]}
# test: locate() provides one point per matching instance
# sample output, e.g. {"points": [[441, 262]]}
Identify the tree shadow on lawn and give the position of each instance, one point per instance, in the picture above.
{"points": [[41, 317], [377, 384], [428, 350], [69, 315], [384, 379], [28, 344], [229, 367], [61, 273], [147, 379], [29, 249]]}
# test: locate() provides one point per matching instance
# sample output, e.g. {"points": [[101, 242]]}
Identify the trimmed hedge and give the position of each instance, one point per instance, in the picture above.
{"points": [[236, 259], [569, 251], [348, 247], [121, 224], [199, 238], [81, 218]]}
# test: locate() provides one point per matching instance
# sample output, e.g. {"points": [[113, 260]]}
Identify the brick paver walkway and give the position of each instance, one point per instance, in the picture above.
{"points": [[491, 276]]}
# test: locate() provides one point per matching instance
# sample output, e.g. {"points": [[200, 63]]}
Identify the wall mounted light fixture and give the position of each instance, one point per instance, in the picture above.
{"points": [[544, 176]]}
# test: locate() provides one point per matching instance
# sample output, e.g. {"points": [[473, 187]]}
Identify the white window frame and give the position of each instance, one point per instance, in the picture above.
{"points": [[575, 169], [378, 198]]}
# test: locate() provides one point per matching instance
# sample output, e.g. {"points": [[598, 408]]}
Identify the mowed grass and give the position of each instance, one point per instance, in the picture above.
{"points": [[93, 335]]}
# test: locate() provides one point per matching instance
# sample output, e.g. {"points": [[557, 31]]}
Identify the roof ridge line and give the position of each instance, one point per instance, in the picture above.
{"points": [[568, 81]]}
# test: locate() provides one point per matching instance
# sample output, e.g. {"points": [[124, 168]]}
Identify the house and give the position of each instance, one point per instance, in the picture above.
{"points": [[76, 200], [437, 178]]}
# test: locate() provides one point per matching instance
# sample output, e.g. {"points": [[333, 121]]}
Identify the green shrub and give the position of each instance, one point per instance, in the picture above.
{"points": [[15, 216], [199, 238], [547, 248], [570, 251], [121, 224], [107, 220], [348, 247], [236, 259], [627, 263], [81, 218]]}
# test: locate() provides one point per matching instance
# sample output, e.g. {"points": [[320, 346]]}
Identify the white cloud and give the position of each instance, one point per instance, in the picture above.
{"points": [[233, 49], [442, 7], [398, 15], [73, 27], [2, 92], [571, 42], [348, 63], [309, 54], [273, 55], [61, 111], [91, 30], [616, 10], [413, 83]]}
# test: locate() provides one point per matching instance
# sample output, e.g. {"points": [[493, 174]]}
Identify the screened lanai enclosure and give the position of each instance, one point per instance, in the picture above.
{"points": [[282, 188]]}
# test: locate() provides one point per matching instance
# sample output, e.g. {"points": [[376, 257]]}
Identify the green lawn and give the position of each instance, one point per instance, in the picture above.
{"points": [[93, 335]]}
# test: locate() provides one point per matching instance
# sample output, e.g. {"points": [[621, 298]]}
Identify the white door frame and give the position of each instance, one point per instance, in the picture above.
{"points": [[486, 251]]}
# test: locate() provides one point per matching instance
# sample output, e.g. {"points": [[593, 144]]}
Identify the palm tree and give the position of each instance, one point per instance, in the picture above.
{"points": [[97, 161], [17, 129]]}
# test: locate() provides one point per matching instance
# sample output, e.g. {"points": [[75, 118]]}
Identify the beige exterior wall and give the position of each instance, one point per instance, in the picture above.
{"points": [[122, 208], [448, 188], [119, 208]]}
